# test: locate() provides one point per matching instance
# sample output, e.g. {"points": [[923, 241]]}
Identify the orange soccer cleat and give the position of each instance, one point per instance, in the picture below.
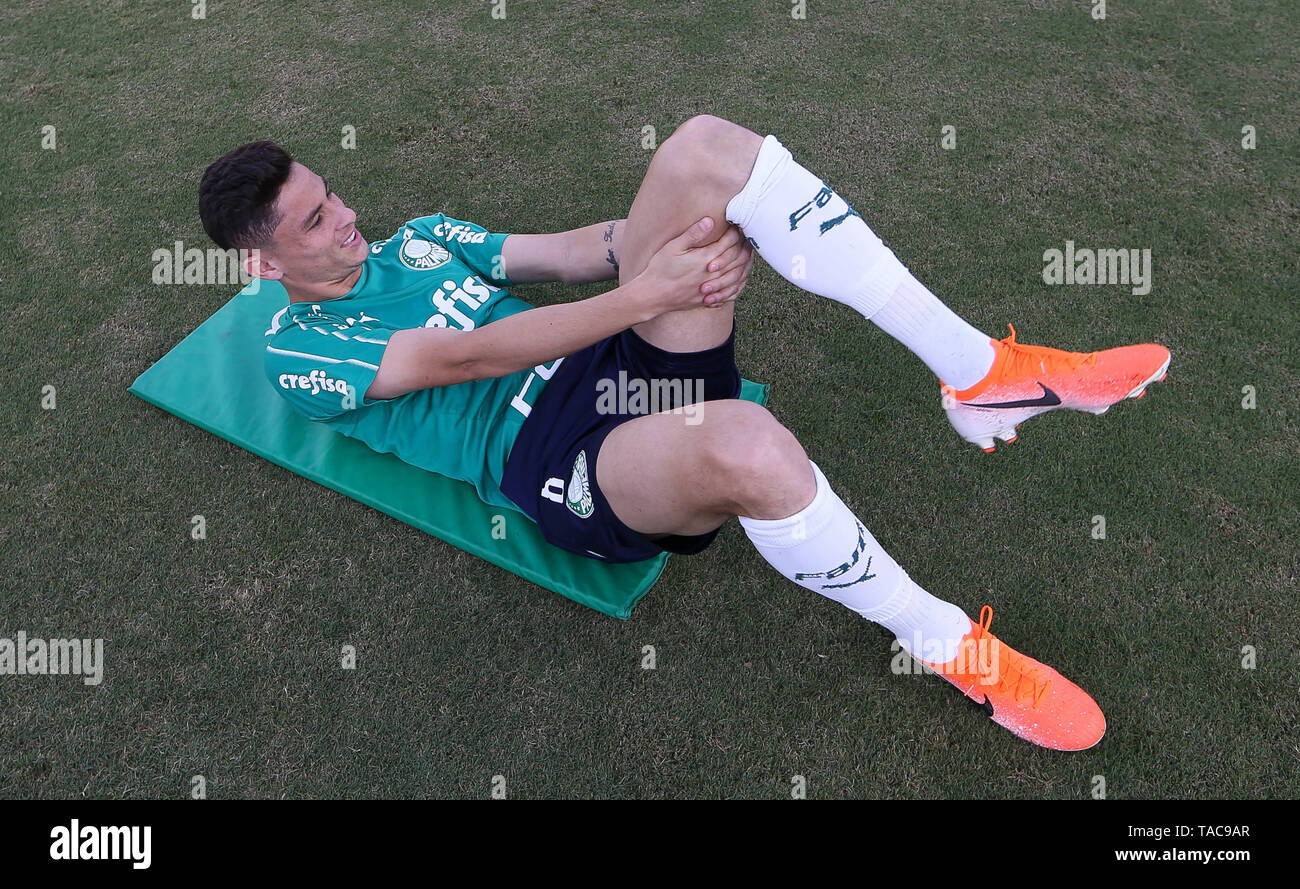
{"points": [[1028, 698], [1026, 381]]}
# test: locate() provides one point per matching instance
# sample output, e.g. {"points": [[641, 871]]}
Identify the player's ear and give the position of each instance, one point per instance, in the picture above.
{"points": [[258, 264]]}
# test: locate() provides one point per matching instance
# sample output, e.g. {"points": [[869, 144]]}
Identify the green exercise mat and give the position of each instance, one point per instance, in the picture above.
{"points": [[214, 379]]}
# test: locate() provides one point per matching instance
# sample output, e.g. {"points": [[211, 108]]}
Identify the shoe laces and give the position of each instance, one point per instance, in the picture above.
{"points": [[1016, 675], [1029, 360]]}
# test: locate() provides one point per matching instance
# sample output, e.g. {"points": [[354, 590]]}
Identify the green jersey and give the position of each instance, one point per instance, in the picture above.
{"points": [[434, 272]]}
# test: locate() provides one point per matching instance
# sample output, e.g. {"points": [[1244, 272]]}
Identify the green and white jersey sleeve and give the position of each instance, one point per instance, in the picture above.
{"points": [[322, 364]]}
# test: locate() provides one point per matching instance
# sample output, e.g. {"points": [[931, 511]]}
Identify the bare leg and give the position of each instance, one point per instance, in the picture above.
{"points": [[694, 174], [663, 475]]}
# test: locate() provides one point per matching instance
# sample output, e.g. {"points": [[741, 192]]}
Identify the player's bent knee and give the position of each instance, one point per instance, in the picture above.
{"points": [[703, 127], [714, 147], [760, 467]]}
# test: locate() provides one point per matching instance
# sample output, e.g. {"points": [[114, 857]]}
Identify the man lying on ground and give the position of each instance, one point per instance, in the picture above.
{"points": [[413, 345]]}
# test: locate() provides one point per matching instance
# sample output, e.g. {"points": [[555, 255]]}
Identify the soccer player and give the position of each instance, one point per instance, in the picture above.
{"points": [[413, 345]]}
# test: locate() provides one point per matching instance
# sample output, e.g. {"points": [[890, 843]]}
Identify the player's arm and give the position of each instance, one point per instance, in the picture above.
{"points": [[427, 357], [578, 256]]}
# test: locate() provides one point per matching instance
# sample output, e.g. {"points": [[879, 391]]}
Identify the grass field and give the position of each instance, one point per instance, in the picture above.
{"points": [[223, 654]]}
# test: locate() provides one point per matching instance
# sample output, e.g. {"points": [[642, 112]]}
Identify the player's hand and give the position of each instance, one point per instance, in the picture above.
{"points": [[679, 270], [731, 271]]}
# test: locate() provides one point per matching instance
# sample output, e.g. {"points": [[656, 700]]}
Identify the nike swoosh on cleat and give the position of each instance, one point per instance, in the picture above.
{"points": [[1049, 399]]}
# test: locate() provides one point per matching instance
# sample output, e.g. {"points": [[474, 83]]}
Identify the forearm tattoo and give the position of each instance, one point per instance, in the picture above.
{"points": [[609, 239]]}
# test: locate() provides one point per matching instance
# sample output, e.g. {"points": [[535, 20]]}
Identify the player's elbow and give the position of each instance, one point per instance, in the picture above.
{"points": [[473, 368]]}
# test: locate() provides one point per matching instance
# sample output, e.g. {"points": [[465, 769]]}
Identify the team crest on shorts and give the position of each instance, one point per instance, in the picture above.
{"points": [[421, 255], [578, 496]]}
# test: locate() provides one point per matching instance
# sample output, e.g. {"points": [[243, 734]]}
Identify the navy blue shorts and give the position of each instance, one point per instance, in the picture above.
{"points": [[551, 472]]}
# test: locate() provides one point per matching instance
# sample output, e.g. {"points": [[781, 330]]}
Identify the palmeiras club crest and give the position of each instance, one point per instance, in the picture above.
{"points": [[421, 255], [578, 495]]}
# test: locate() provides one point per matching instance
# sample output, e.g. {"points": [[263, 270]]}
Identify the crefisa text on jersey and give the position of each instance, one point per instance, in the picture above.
{"points": [[463, 233], [1182, 830]]}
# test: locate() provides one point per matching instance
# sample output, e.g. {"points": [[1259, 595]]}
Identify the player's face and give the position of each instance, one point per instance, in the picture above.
{"points": [[317, 238]]}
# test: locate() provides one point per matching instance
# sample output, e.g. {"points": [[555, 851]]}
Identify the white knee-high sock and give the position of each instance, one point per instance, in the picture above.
{"points": [[823, 547], [958, 354], [815, 240]]}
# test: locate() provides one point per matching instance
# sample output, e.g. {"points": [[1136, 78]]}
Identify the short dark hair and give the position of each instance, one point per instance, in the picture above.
{"points": [[238, 192]]}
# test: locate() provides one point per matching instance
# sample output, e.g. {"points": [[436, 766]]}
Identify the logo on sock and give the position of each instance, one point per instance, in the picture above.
{"points": [[866, 575], [821, 199], [831, 223], [846, 567]]}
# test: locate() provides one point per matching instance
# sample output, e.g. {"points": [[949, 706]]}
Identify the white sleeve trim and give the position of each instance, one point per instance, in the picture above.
{"points": [[324, 358]]}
